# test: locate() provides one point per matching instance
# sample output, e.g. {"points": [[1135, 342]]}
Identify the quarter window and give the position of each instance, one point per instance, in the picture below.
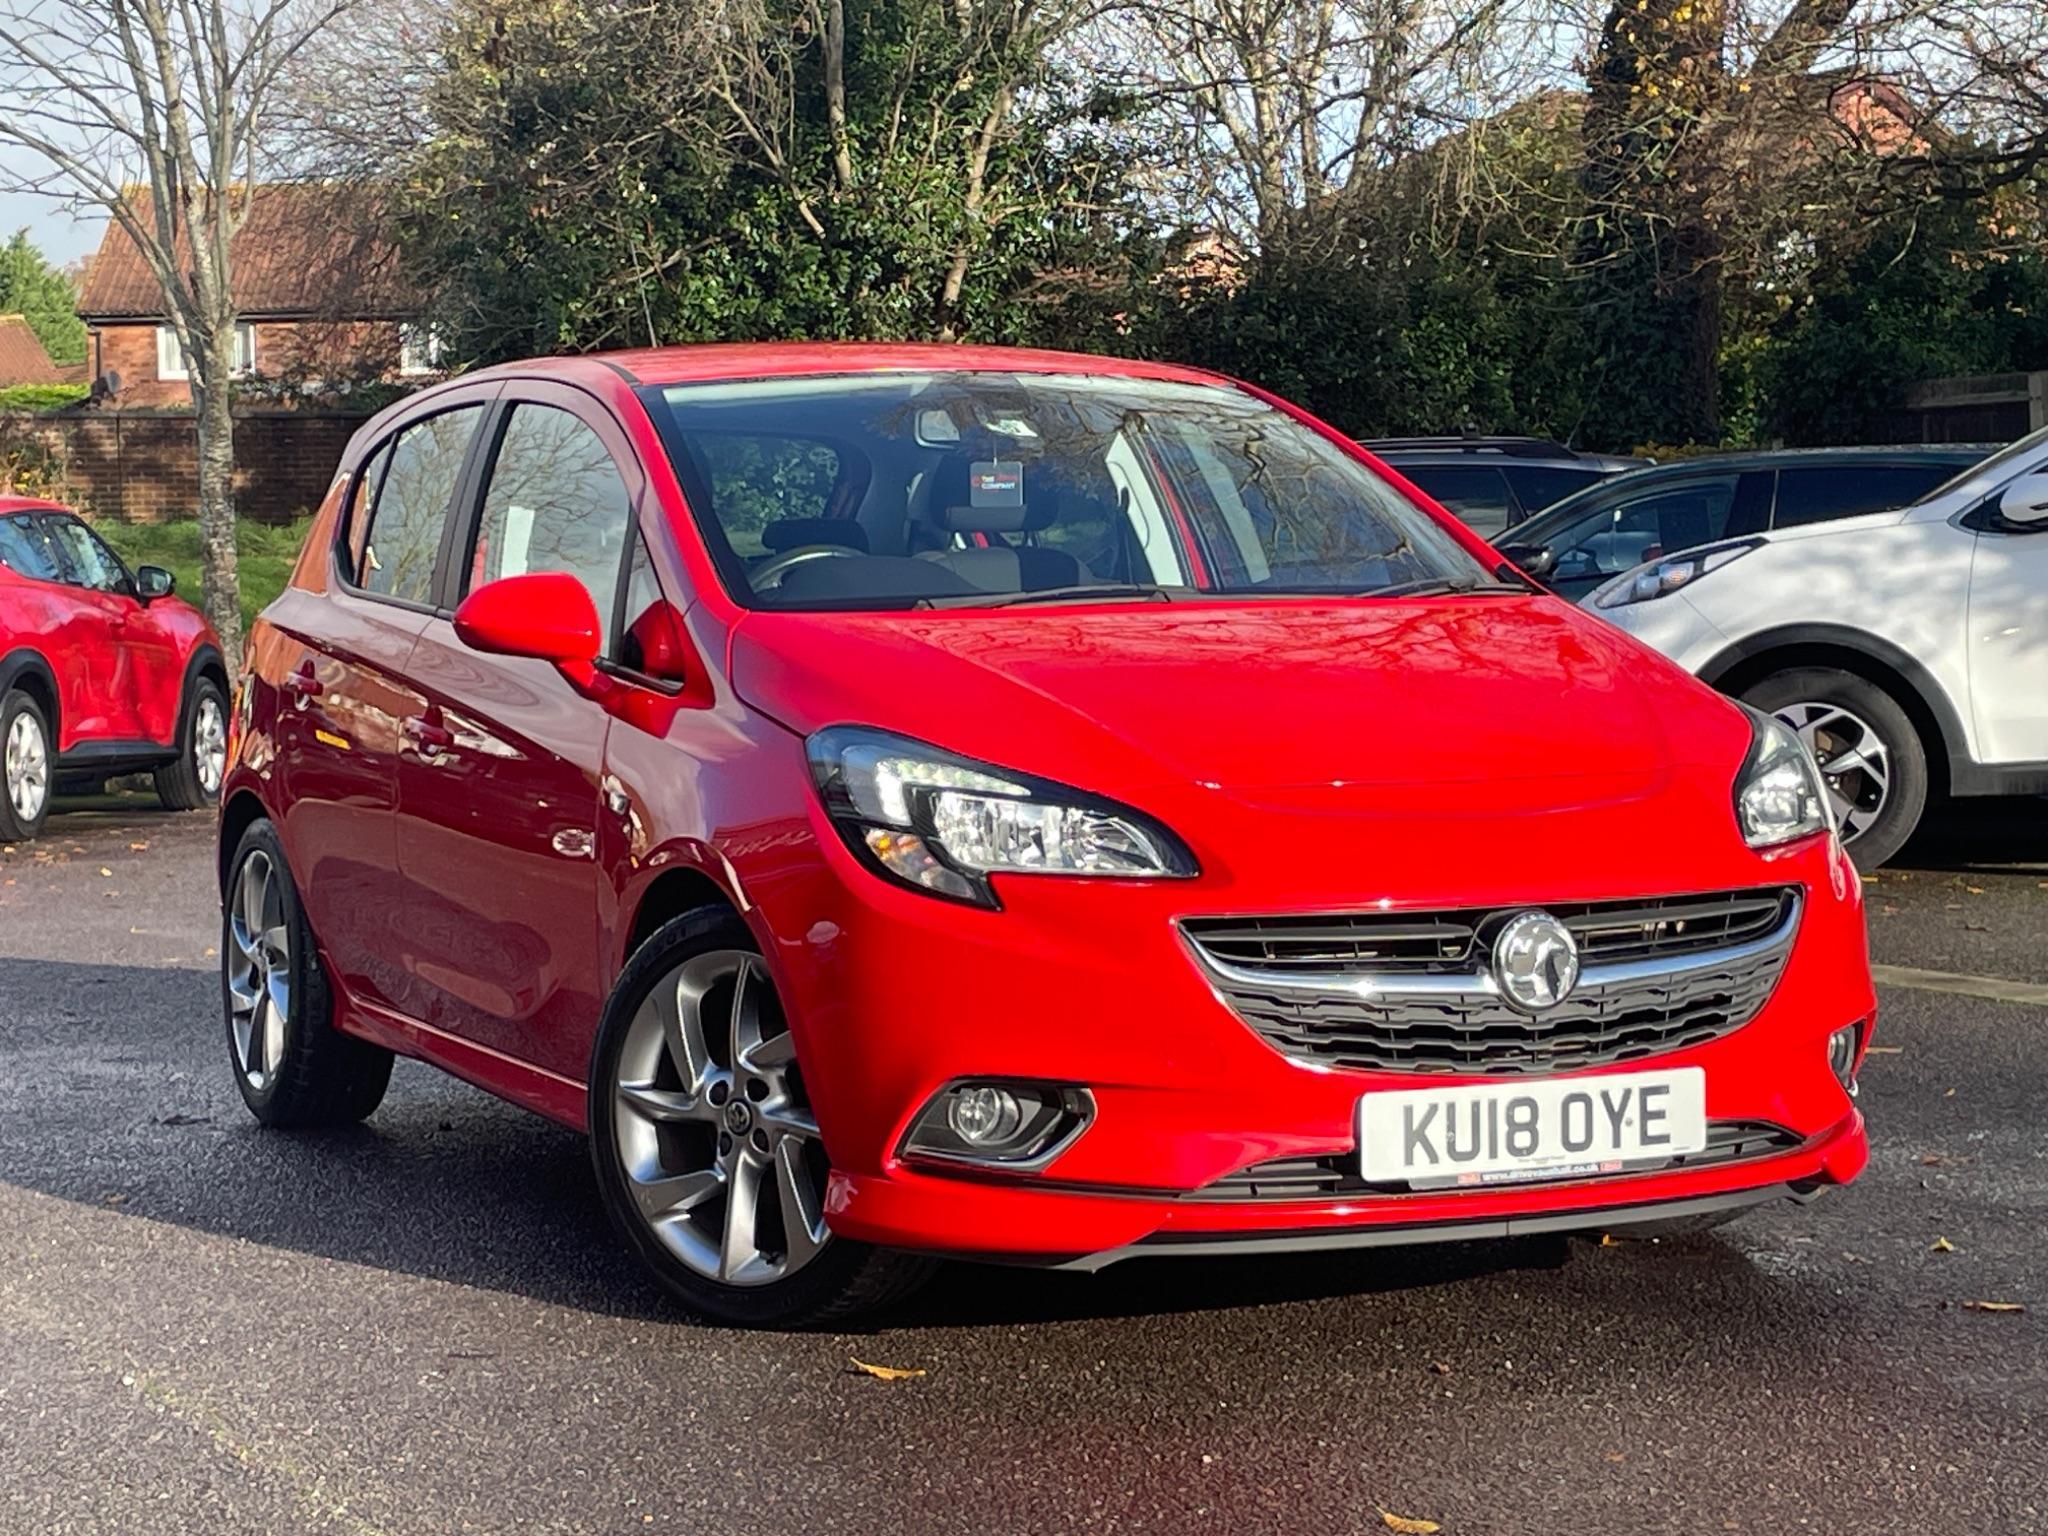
{"points": [[557, 502], [403, 538]]}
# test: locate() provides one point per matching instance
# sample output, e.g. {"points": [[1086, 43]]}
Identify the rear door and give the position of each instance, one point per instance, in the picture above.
{"points": [[1826, 493], [2008, 639], [341, 671], [498, 779]]}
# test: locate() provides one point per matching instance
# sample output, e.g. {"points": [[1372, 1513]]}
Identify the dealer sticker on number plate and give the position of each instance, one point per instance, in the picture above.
{"points": [[1503, 1132]]}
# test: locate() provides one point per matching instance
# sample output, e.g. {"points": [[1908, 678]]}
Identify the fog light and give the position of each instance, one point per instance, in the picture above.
{"points": [[1842, 1051], [1017, 1125], [982, 1116]]}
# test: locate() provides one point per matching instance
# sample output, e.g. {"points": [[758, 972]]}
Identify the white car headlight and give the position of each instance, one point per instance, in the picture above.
{"points": [[942, 823], [1661, 577], [1778, 794]]}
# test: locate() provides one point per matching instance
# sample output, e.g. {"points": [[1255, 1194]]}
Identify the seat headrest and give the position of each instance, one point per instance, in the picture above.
{"points": [[970, 494], [796, 532], [1039, 512]]}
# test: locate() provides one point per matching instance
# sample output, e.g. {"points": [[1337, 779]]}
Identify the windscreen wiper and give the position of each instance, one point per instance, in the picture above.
{"points": [[1434, 586], [1085, 593]]}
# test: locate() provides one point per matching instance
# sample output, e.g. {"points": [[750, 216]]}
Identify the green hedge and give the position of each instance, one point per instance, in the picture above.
{"points": [[266, 555], [41, 397]]}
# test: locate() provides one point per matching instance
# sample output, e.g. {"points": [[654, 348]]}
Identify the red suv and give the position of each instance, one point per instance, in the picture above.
{"points": [[101, 672], [910, 800]]}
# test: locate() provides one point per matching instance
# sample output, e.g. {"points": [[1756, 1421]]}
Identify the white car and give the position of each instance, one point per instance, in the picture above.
{"points": [[1909, 648]]}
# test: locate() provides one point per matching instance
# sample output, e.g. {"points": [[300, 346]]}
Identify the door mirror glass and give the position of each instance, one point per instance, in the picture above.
{"points": [[547, 615], [2025, 500], [153, 582], [1535, 559]]}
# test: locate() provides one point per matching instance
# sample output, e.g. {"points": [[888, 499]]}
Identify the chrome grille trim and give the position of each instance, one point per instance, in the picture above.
{"points": [[1334, 1176], [1457, 1021]]}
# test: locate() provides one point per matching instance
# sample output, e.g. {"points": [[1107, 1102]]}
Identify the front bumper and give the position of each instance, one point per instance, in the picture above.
{"points": [[892, 994]]}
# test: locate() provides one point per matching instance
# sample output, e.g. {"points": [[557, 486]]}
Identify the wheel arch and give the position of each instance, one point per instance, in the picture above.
{"points": [[238, 813], [205, 661], [1926, 703], [667, 897], [30, 671]]}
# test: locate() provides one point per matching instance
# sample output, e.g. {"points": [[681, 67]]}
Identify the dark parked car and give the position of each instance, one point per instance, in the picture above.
{"points": [[1491, 482], [1649, 513]]}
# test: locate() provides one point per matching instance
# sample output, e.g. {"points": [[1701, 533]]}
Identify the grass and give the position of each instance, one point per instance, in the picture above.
{"points": [[266, 555]]}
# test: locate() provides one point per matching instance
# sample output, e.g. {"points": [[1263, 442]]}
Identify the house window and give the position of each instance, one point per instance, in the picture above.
{"points": [[170, 352], [419, 350]]}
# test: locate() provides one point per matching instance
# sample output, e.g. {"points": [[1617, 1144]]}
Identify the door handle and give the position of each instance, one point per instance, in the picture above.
{"points": [[430, 739]]}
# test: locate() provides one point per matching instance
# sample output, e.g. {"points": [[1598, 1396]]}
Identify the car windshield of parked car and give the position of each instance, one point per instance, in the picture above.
{"points": [[890, 490]]}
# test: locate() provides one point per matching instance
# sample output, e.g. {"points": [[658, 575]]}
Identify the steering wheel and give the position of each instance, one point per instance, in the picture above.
{"points": [[770, 572]]}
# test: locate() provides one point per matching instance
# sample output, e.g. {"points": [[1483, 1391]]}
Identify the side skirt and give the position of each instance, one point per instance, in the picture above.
{"points": [[560, 1099]]}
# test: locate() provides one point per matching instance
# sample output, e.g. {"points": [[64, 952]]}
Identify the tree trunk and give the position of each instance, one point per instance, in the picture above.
{"points": [[220, 581]]}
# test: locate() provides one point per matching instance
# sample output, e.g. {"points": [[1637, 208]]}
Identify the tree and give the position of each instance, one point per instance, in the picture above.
{"points": [[157, 111], [32, 288], [652, 171]]}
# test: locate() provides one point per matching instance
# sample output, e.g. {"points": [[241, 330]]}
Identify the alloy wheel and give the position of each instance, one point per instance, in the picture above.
{"points": [[27, 759], [259, 970], [720, 1149], [210, 745], [1855, 763]]}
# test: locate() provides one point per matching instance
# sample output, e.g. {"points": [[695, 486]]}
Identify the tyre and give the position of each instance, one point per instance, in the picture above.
{"points": [[707, 1155], [1869, 754], [192, 782], [295, 1069], [27, 756]]}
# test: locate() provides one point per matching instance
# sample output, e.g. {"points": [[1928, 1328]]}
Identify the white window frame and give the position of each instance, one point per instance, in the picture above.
{"points": [[419, 350], [170, 352]]}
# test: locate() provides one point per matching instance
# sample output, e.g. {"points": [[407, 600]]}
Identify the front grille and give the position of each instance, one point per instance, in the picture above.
{"points": [[1335, 1177], [1413, 992]]}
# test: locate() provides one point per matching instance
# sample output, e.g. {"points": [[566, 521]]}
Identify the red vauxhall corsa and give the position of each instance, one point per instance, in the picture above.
{"points": [[908, 800], [102, 671]]}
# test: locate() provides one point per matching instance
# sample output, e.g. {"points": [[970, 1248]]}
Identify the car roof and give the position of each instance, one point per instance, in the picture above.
{"points": [[779, 359], [1823, 458], [29, 504]]}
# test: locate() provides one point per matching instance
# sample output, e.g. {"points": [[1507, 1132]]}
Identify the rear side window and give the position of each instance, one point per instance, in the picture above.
{"points": [[1540, 485], [25, 548], [1821, 494], [1476, 494], [557, 502], [403, 536]]}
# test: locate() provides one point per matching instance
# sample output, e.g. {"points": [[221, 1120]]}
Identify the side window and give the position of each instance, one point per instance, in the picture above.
{"points": [[86, 561], [1821, 495], [26, 550], [557, 502], [755, 481], [403, 537], [1475, 494], [1540, 485], [1646, 528]]}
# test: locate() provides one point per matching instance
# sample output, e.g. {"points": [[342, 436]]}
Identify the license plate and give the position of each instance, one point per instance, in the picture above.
{"points": [[1490, 1133]]}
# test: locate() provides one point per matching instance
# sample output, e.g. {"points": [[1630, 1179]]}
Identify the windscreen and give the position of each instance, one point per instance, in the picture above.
{"points": [[891, 490]]}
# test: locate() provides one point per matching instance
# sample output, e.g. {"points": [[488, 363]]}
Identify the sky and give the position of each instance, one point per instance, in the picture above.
{"points": [[50, 225]]}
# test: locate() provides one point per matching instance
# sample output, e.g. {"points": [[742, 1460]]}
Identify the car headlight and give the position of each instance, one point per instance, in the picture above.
{"points": [[1660, 578], [1778, 793], [944, 824]]}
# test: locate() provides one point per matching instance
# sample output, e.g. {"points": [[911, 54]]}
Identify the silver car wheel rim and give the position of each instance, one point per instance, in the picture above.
{"points": [[259, 965], [210, 744], [720, 1149], [1855, 763], [28, 767]]}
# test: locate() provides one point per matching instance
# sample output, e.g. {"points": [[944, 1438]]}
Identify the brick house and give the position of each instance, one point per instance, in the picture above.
{"points": [[316, 283], [24, 361]]}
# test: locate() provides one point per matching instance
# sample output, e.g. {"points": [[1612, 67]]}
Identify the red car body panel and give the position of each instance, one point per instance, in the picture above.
{"points": [[118, 667], [1315, 756]]}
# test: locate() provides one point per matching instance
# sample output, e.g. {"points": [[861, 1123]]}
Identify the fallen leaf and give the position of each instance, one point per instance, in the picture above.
{"points": [[1870, 879], [1609, 1240], [1950, 1094], [186, 1120], [1932, 1160], [1616, 1456], [106, 871], [1941, 1245], [138, 847], [894, 1373], [1995, 1306], [1441, 1367], [1974, 890], [1408, 1527], [113, 1197], [1882, 1050]]}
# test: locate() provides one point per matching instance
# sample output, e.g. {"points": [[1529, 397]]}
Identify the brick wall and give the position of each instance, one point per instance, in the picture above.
{"points": [[143, 466]]}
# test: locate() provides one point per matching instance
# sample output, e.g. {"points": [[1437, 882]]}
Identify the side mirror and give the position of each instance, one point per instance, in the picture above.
{"points": [[547, 615], [2025, 500], [153, 582], [1537, 560]]}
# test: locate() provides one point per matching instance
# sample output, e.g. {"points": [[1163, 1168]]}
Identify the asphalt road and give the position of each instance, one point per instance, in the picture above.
{"points": [[423, 1325]]}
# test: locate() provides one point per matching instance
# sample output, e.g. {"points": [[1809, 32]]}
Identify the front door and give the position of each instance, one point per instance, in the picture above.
{"points": [[498, 780], [97, 674], [2009, 642]]}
